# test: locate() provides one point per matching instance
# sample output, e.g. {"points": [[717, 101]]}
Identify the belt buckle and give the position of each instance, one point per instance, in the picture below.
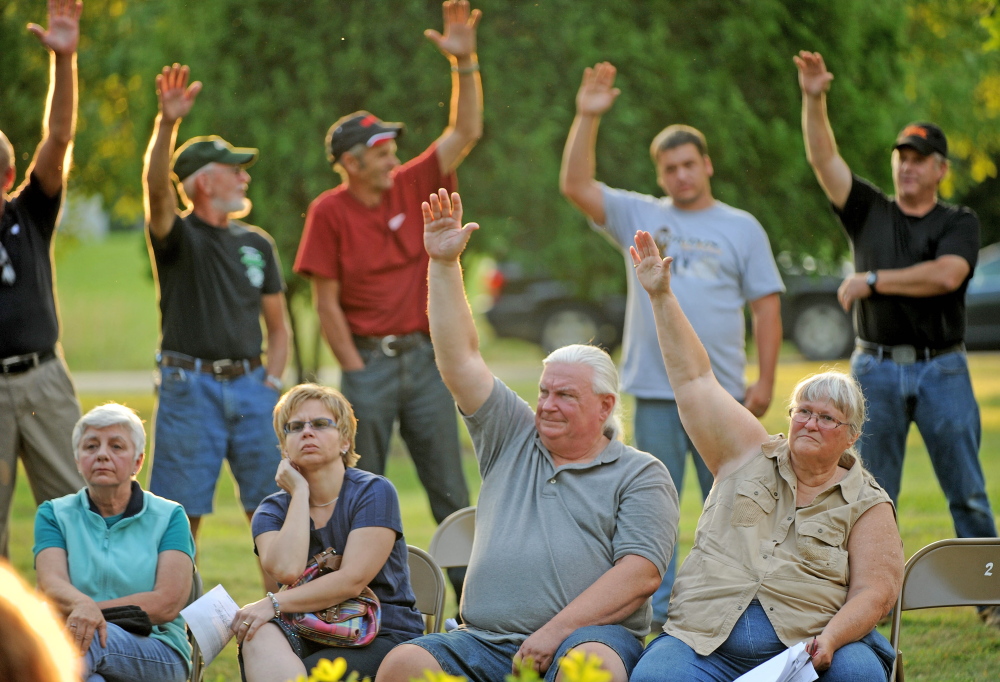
{"points": [[8, 364], [904, 355], [386, 344], [220, 366]]}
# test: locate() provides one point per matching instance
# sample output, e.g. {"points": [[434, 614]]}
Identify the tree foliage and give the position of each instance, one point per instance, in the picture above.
{"points": [[277, 73]]}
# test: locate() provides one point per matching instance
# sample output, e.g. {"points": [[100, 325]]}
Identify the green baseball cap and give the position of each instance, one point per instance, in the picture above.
{"points": [[198, 152]]}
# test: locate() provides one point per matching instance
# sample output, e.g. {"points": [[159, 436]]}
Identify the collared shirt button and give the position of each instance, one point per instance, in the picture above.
{"points": [[789, 518], [552, 480]]}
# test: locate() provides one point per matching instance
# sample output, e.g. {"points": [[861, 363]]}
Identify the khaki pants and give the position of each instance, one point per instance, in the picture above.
{"points": [[38, 410]]}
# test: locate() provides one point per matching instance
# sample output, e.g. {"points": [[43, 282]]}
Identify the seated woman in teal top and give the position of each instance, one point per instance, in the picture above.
{"points": [[113, 545]]}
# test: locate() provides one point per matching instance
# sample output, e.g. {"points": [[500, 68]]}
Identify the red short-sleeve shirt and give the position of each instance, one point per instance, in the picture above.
{"points": [[377, 254]]}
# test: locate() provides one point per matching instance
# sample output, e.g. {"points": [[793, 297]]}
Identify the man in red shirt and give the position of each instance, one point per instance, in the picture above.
{"points": [[363, 250]]}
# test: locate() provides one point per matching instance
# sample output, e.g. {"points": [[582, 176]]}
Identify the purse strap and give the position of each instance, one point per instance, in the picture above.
{"points": [[328, 560]]}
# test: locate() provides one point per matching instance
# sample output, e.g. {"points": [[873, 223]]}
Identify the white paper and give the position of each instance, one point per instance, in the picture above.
{"points": [[209, 618], [791, 665]]}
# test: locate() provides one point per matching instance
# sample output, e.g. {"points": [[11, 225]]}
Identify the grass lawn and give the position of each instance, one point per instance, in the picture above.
{"points": [[109, 320]]}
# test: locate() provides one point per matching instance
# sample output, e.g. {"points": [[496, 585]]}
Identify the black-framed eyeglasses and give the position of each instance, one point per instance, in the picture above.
{"points": [[317, 424], [823, 421]]}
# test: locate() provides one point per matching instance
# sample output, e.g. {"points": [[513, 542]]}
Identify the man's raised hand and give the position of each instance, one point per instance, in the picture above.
{"points": [[63, 34], [814, 79], [653, 271], [444, 236], [176, 97], [459, 39], [597, 91]]}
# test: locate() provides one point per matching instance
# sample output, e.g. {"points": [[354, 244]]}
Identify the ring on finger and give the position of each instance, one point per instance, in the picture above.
{"points": [[246, 623]]}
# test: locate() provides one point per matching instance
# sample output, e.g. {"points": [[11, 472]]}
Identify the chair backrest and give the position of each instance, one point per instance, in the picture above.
{"points": [[451, 544], [197, 662], [956, 572], [428, 586]]}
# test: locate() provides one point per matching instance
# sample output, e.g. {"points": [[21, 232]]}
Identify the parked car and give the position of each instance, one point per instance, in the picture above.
{"points": [[546, 311]]}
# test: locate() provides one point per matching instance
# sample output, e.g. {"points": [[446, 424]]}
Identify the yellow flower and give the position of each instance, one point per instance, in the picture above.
{"points": [[577, 666], [329, 671], [438, 677]]}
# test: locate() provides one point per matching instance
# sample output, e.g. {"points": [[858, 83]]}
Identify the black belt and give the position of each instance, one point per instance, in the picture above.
{"points": [[904, 354], [220, 369], [19, 364], [392, 345]]}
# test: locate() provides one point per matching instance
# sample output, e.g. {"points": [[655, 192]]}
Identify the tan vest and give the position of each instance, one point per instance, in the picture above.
{"points": [[752, 542]]}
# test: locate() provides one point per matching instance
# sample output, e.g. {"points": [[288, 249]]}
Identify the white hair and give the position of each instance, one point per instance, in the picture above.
{"points": [[111, 414], [189, 184], [839, 388], [604, 382]]}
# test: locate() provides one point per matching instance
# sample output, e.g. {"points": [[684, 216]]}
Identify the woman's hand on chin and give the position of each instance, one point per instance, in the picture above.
{"points": [[290, 479]]}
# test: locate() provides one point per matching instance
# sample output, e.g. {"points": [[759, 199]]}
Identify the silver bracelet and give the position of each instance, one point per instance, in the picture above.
{"points": [[274, 603], [461, 70]]}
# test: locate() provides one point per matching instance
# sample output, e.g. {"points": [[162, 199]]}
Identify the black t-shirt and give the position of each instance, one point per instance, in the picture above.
{"points": [[28, 321], [211, 280], [884, 238]]}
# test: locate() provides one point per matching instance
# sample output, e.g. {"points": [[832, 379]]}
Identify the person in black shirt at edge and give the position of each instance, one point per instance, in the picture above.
{"points": [[38, 405], [913, 258]]}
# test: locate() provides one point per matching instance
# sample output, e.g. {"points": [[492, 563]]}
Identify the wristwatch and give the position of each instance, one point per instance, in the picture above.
{"points": [[871, 279], [275, 382]]}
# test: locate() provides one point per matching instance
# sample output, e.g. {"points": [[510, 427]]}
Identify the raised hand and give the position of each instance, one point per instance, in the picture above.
{"points": [[597, 92], [653, 271], [63, 34], [459, 39], [444, 236], [175, 96], [814, 79]]}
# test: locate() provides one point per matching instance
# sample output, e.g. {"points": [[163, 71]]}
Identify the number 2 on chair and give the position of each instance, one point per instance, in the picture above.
{"points": [[989, 569]]}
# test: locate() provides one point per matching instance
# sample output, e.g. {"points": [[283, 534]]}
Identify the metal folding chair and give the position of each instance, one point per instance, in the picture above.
{"points": [[428, 586], [451, 544], [197, 662], [957, 572]]}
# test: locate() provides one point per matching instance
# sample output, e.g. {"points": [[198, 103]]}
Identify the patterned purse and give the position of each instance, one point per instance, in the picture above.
{"points": [[351, 623]]}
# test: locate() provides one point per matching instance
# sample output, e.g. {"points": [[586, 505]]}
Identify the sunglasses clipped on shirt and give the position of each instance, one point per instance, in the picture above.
{"points": [[318, 424]]}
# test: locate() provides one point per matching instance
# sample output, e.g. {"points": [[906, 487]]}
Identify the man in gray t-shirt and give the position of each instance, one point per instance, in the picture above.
{"points": [[722, 262], [574, 529]]}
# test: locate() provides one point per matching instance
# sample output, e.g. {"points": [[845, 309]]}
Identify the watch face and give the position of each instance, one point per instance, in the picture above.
{"points": [[872, 276]]}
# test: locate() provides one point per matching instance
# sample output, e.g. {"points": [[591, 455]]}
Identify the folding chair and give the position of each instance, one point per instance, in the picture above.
{"points": [[451, 544], [428, 586], [197, 662], [957, 572]]}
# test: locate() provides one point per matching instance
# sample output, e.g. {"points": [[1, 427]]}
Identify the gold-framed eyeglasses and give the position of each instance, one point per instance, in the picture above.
{"points": [[823, 421]]}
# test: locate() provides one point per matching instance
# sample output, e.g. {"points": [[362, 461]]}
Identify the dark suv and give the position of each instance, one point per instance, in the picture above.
{"points": [[546, 311]]}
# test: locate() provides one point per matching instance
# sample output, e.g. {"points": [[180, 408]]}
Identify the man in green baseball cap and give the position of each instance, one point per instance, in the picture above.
{"points": [[217, 276]]}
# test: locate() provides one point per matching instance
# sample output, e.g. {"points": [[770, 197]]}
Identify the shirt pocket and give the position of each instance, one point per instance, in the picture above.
{"points": [[753, 502], [820, 545]]}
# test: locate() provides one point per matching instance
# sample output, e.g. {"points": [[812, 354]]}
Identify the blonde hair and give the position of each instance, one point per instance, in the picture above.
{"points": [[839, 388], [333, 400]]}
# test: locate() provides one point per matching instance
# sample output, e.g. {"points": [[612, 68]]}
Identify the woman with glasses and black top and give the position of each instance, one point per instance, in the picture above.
{"points": [[325, 502], [797, 542]]}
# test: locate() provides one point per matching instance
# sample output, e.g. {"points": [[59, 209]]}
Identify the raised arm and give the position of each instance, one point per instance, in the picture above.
{"points": [[831, 170], [176, 98], [722, 430], [875, 558], [51, 164], [578, 174], [766, 314], [456, 342], [465, 119]]}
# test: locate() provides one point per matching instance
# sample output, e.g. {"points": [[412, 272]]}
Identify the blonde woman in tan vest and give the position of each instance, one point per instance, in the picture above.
{"points": [[797, 542]]}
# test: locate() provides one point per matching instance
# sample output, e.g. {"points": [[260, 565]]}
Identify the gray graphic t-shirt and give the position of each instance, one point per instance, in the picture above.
{"points": [[722, 261]]}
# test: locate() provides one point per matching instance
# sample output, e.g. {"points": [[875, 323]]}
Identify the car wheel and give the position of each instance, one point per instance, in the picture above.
{"points": [[566, 325], [822, 331]]}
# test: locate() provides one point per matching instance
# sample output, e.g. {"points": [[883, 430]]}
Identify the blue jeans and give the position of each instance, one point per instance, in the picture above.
{"points": [[937, 395], [129, 657], [201, 421], [752, 642], [462, 652], [409, 388], [659, 432]]}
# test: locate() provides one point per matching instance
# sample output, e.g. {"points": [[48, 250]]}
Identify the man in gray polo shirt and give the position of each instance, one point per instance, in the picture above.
{"points": [[574, 529]]}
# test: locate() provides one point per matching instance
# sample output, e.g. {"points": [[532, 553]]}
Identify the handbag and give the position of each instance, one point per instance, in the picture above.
{"points": [[130, 619], [351, 623]]}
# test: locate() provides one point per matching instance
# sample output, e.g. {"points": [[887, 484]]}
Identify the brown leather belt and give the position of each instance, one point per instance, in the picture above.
{"points": [[904, 354], [19, 364], [392, 345], [220, 369]]}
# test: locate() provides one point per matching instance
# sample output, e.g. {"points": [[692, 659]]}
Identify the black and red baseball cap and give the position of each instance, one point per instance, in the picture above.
{"points": [[926, 138], [359, 127]]}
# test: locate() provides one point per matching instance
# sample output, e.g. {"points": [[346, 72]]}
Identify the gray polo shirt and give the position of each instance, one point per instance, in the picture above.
{"points": [[544, 534]]}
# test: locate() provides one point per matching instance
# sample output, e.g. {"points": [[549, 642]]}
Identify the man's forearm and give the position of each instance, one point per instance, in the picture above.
{"points": [[821, 145], [277, 350], [161, 201], [338, 336], [466, 114], [579, 161], [768, 332], [61, 115]]}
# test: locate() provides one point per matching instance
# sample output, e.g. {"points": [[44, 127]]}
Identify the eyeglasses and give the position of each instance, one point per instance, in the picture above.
{"points": [[318, 424], [823, 421]]}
